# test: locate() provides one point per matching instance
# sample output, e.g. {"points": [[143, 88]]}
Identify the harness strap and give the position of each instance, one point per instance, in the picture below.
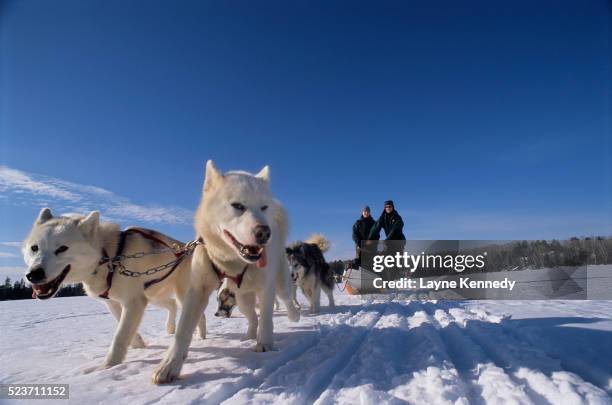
{"points": [[111, 268], [109, 279], [180, 256], [236, 279], [154, 239], [165, 276]]}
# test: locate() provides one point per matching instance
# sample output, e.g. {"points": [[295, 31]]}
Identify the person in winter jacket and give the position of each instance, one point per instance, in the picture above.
{"points": [[361, 230], [393, 225], [391, 222]]}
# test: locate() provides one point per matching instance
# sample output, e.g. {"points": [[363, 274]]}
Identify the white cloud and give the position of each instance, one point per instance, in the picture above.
{"points": [[18, 182], [6, 255], [36, 190], [16, 245]]}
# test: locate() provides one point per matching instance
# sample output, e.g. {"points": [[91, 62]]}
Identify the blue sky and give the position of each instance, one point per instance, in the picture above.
{"points": [[482, 120]]}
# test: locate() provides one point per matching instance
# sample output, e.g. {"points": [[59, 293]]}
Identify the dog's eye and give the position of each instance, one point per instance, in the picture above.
{"points": [[238, 206], [34, 248], [61, 249], [264, 207]]}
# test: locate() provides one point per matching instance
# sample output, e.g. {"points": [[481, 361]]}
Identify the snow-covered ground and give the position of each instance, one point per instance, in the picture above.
{"points": [[377, 350]]}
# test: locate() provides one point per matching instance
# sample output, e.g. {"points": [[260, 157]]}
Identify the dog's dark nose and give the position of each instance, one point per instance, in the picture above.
{"points": [[262, 234], [36, 275]]}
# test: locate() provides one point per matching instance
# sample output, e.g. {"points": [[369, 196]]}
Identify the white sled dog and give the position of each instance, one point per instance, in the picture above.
{"points": [[243, 231], [310, 271], [76, 249]]}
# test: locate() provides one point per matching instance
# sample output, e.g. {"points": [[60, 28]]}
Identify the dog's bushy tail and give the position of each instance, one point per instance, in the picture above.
{"points": [[319, 240]]}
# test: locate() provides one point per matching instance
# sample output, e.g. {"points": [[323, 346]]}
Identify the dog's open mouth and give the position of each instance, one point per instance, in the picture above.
{"points": [[251, 253], [48, 290]]}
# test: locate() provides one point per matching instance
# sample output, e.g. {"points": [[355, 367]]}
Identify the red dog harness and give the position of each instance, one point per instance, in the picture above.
{"points": [[236, 279], [121, 245]]}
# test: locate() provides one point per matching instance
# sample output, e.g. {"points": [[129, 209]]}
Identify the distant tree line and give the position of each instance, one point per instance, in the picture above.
{"points": [[538, 254], [544, 254], [521, 255], [19, 290]]}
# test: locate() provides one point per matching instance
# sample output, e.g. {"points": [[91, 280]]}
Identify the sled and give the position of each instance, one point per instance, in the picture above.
{"points": [[356, 278]]}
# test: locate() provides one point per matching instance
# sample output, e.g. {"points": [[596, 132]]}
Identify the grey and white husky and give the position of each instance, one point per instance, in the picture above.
{"points": [[310, 271]]}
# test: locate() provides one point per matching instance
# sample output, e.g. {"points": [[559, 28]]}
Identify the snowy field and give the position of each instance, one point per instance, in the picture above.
{"points": [[363, 351]]}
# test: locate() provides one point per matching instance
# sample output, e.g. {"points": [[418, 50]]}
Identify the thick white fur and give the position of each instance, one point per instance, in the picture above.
{"points": [[214, 215], [85, 238]]}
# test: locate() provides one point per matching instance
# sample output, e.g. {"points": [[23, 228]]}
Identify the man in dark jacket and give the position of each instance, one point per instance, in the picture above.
{"points": [[361, 230], [391, 222], [393, 226]]}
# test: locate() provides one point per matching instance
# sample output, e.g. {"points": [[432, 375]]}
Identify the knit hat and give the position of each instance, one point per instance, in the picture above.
{"points": [[366, 208], [389, 202]]}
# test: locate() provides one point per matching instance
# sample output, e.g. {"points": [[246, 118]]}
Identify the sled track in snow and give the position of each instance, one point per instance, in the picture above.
{"points": [[470, 357], [369, 350], [284, 376]]}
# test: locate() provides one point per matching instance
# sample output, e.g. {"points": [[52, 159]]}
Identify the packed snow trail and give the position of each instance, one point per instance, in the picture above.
{"points": [[379, 350]]}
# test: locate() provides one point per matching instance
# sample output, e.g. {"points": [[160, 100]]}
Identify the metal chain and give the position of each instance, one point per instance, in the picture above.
{"points": [[115, 264]]}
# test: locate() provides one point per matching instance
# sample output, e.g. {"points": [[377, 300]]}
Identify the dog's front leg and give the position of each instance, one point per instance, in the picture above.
{"points": [[115, 309], [265, 332], [131, 315], [316, 297], [283, 288], [246, 305], [170, 305], [181, 294], [330, 296], [191, 313], [294, 297]]}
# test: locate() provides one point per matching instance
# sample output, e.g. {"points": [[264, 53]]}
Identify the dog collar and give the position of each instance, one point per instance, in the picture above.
{"points": [[236, 279]]}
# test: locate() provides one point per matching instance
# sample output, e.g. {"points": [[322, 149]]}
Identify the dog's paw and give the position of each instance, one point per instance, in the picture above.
{"points": [[262, 347], [201, 329], [138, 342], [110, 362], [92, 369], [89, 370], [293, 314], [223, 313], [171, 328], [167, 371], [249, 335]]}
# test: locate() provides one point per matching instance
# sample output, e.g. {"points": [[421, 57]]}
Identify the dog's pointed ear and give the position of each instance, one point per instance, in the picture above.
{"points": [[264, 174], [44, 215], [211, 176], [89, 224]]}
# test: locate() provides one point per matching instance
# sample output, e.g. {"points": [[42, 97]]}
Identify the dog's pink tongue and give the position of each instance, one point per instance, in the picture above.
{"points": [[263, 260]]}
